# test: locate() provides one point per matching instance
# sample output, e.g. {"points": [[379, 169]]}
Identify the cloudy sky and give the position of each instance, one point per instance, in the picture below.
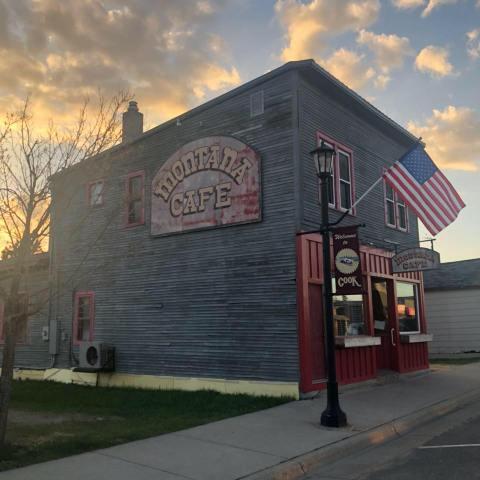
{"points": [[416, 60]]}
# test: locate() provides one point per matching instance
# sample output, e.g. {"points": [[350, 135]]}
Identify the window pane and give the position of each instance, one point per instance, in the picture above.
{"points": [[135, 187], [388, 192], [331, 191], [96, 193], [348, 315], [407, 307], [402, 216], [344, 167], [84, 307], [345, 195], [135, 211], [380, 305], [84, 330], [390, 212]]}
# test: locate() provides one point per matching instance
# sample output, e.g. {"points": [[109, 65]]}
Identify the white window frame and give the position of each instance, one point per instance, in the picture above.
{"points": [[397, 201], [336, 192], [349, 183], [100, 198]]}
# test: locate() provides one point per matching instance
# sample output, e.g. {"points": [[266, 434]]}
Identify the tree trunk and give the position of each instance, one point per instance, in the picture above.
{"points": [[7, 368]]}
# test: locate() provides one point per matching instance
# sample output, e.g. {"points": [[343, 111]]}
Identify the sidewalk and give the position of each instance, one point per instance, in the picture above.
{"points": [[279, 443]]}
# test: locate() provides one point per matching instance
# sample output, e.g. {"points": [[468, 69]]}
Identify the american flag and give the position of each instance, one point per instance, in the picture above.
{"points": [[425, 189]]}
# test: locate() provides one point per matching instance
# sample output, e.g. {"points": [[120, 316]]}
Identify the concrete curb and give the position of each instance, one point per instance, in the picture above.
{"points": [[304, 464]]}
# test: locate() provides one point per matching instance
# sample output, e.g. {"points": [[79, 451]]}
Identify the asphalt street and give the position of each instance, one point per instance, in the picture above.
{"points": [[445, 449]]}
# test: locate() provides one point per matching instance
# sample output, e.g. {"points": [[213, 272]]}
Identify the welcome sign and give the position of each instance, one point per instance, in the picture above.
{"points": [[346, 251], [211, 182]]}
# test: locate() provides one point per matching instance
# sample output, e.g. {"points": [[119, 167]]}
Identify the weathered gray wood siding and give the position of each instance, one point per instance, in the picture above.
{"points": [[324, 109], [34, 352], [214, 303], [454, 319]]}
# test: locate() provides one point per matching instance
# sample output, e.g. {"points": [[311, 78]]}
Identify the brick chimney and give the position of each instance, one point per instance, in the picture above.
{"points": [[132, 123]]}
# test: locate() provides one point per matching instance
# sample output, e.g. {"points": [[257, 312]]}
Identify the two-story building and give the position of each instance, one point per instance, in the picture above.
{"points": [[186, 247]]}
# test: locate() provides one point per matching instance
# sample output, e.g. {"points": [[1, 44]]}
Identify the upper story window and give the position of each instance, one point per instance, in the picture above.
{"points": [[396, 212], [135, 199], [84, 317], [256, 104], [341, 183], [95, 193]]}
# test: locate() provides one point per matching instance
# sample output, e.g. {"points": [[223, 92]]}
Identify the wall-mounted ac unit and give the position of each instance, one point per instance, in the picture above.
{"points": [[96, 356]]}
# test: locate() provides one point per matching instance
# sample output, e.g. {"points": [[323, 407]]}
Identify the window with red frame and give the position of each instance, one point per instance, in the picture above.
{"points": [[21, 320], [84, 317], [135, 199], [341, 183], [95, 193], [396, 212]]}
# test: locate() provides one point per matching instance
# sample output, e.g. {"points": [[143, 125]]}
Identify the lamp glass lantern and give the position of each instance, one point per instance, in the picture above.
{"points": [[323, 159]]}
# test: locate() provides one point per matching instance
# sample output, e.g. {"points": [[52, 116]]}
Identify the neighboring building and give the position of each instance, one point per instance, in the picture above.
{"points": [[33, 332], [186, 246], [452, 297]]}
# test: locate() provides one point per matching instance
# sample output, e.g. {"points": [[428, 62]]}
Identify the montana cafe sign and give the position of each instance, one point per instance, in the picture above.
{"points": [[210, 182], [415, 260]]}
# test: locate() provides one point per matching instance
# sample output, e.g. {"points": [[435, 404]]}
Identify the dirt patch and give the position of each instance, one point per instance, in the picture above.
{"points": [[21, 417]]}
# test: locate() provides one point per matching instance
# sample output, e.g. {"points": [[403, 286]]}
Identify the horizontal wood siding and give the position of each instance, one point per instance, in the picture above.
{"points": [[373, 150], [454, 320], [212, 303], [34, 352]]}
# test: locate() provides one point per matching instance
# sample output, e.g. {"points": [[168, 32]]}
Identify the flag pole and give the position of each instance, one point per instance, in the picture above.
{"points": [[346, 212]]}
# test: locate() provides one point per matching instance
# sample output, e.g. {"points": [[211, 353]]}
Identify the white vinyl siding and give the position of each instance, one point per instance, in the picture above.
{"points": [[453, 317]]}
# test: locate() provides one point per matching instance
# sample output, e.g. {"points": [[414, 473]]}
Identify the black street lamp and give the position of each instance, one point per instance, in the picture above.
{"points": [[332, 416]]}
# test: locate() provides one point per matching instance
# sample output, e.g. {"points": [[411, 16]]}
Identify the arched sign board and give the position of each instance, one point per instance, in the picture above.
{"points": [[211, 182], [415, 260]]}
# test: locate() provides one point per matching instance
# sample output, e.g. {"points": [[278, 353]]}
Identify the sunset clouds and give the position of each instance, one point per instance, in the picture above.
{"points": [[434, 61], [310, 25], [452, 137], [62, 51], [175, 54]]}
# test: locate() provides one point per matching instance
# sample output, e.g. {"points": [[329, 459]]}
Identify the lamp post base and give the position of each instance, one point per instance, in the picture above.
{"points": [[333, 416]]}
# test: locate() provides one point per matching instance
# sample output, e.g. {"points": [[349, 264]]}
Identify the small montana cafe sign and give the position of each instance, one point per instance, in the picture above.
{"points": [[415, 260], [346, 252], [211, 182]]}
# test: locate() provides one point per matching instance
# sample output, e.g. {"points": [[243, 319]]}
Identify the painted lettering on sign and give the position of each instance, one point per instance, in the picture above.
{"points": [[415, 259], [346, 250], [211, 182]]}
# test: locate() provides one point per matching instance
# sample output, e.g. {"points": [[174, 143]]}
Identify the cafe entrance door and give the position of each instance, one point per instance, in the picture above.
{"points": [[383, 302]]}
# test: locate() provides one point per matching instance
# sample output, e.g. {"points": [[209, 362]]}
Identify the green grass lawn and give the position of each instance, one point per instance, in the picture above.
{"points": [[53, 420], [454, 361]]}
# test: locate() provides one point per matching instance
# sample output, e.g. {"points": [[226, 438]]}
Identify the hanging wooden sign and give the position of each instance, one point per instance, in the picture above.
{"points": [[211, 182], [415, 260], [346, 251]]}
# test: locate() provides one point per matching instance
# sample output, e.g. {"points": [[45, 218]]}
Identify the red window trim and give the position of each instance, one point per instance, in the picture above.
{"points": [[88, 193], [395, 208], [336, 172], [79, 295], [139, 173]]}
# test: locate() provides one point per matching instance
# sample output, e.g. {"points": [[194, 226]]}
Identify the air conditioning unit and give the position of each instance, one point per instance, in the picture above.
{"points": [[96, 356]]}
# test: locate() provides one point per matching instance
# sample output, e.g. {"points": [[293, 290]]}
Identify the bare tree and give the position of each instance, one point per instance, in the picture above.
{"points": [[27, 161]]}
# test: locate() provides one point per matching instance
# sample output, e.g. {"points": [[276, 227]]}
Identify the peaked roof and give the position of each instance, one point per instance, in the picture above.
{"points": [[311, 70], [453, 275]]}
